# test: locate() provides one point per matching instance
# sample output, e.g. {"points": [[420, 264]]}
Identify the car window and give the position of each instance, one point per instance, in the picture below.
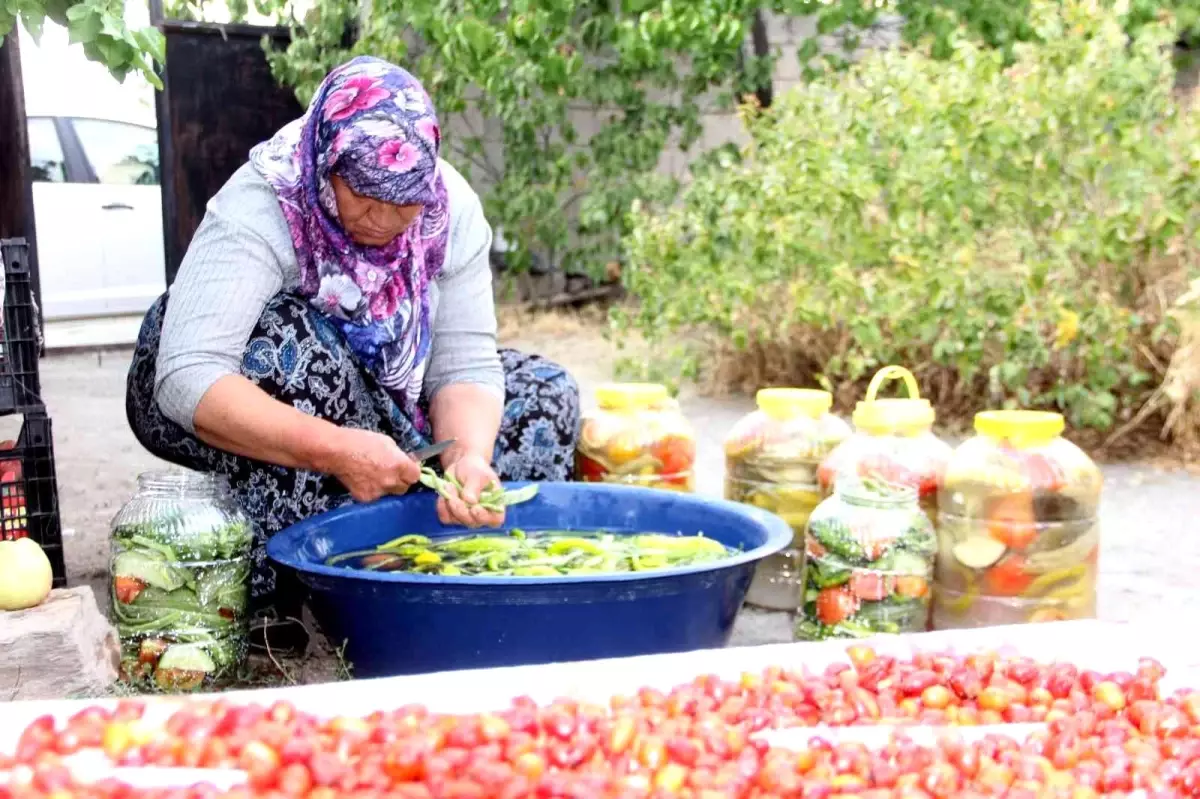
{"points": [[45, 152], [118, 152]]}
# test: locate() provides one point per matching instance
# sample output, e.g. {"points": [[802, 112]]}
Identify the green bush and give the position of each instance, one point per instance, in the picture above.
{"points": [[1016, 234], [512, 80], [999, 23]]}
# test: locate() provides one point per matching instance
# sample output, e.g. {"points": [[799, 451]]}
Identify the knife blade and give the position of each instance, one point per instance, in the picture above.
{"points": [[425, 453]]}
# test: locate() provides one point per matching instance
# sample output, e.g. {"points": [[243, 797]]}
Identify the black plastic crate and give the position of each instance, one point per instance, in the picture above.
{"points": [[29, 491], [20, 384]]}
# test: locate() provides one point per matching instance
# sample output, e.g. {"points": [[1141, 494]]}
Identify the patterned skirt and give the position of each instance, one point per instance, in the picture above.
{"points": [[300, 358]]}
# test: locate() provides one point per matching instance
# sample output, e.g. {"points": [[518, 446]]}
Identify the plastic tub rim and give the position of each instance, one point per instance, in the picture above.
{"points": [[779, 537]]}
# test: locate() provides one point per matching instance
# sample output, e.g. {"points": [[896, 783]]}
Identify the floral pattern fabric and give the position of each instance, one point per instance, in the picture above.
{"points": [[371, 124], [301, 357]]}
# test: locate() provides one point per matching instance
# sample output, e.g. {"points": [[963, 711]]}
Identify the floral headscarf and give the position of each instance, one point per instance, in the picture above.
{"points": [[371, 124]]}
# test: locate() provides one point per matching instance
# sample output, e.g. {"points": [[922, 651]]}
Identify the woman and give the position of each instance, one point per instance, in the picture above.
{"points": [[334, 312]]}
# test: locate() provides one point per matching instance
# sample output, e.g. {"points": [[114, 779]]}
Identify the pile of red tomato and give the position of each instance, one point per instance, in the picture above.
{"points": [[1106, 734]]}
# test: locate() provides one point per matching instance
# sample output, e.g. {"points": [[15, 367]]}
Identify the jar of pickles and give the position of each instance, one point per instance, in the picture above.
{"points": [[637, 436], [870, 559], [180, 574], [771, 459], [893, 439], [1019, 532]]}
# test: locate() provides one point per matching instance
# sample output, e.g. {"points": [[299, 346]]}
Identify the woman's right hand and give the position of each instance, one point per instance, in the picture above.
{"points": [[371, 465]]}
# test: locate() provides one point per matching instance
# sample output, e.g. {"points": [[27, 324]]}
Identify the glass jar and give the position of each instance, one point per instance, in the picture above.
{"points": [[771, 459], [1019, 529], [870, 559], [893, 438], [180, 574], [637, 436]]}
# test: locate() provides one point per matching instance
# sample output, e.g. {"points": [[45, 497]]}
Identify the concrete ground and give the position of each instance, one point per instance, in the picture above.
{"points": [[1150, 553]]}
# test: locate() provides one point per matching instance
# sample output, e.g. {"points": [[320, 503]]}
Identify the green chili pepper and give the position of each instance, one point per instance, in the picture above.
{"points": [[406, 540], [493, 498], [541, 554], [646, 562], [564, 545], [535, 571], [676, 545], [471, 546]]}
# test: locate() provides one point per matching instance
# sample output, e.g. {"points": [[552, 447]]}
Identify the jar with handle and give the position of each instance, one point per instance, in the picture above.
{"points": [[893, 438]]}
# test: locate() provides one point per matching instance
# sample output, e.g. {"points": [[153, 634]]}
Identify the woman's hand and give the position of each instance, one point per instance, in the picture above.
{"points": [[474, 474], [372, 465]]}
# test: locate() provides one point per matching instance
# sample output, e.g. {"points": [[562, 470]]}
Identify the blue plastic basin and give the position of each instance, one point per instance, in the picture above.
{"points": [[397, 623]]}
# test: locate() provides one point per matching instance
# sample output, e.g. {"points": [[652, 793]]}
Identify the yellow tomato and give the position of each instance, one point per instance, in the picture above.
{"points": [[623, 448]]}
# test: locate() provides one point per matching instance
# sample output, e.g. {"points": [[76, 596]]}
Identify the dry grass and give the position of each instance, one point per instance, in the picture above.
{"points": [[577, 339], [1165, 430], [520, 324]]}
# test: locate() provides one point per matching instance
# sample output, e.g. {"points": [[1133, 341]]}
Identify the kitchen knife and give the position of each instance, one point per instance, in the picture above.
{"points": [[425, 453]]}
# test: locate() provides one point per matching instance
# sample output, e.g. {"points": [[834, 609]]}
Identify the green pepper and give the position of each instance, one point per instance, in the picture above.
{"points": [[644, 562], [680, 545], [565, 545], [406, 540], [540, 555], [535, 571], [470, 546], [837, 538], [827, 572], [1045, 581]]}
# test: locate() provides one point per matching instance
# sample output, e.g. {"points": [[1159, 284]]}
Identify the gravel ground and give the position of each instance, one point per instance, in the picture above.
{"points": [[1150, 552]]}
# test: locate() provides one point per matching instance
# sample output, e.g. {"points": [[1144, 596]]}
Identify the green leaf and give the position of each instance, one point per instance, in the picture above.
{"points": [[34, 24], [150, 40], [84, 29]]}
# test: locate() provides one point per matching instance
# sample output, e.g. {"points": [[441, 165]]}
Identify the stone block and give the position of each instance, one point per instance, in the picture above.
{"points": [[62, 648]]}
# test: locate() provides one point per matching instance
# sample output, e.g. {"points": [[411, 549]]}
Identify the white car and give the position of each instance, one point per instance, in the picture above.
{"points": [[98, 211]]}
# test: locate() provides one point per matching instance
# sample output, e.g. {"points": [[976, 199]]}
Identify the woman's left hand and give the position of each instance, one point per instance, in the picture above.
{"points": [[474, 474]]}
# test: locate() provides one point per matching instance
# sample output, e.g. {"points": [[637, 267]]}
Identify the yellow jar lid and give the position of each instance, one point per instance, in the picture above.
{"points": [[886, 415], [615, 396], [787, 403], [1021, 428], [873, 415]]}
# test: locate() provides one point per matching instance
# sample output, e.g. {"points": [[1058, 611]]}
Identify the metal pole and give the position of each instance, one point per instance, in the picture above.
{"points": [[16, 190], [166, 167]]}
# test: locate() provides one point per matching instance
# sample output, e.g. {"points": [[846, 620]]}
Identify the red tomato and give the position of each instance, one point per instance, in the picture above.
{"points": [[1008, 577], [885, 468], [676, 453], [1043, 473], [929, 484], [588, 470], [826, 474], [10, 469], [911, 586], [871, 586], [835, 605], [1011, 520], [127, 589]]}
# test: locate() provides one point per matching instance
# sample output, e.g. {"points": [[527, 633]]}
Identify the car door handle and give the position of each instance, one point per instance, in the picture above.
{"points": [[117, 207]]}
